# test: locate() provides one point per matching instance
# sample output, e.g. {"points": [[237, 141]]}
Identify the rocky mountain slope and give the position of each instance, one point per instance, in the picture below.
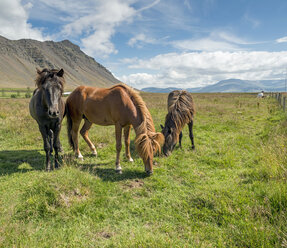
{"points": [[19, 59]]}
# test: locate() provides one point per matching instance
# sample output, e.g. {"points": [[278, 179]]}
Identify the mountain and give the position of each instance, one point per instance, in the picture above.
{"points": [[19, 59], [231, 85], [169, 89], [159, 90]]}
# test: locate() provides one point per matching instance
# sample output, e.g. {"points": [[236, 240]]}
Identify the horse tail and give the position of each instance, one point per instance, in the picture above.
{"points": [[69, 126], [148, 141]]}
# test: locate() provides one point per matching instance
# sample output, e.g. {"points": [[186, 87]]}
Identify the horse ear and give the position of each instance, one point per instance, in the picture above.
{"points": [[161, 126], [60, 73], [38, 70]]}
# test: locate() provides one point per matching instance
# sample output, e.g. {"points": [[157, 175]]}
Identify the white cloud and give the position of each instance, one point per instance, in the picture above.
{"points": [[14, 21], [282, 40], [99, 26], [205, 44], [95, 21], [139, 39], [99, 23], [187, 4], [201, 68], [99, 43], [216, 41], [149, 6], [250, 20], [141, 80]]}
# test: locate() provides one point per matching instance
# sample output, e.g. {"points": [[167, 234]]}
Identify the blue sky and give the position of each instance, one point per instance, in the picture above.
{"points": [[162, 43]]}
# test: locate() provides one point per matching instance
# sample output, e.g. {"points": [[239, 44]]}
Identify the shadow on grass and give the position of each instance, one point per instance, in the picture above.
{"points": [[12, 161], [109, 174]]}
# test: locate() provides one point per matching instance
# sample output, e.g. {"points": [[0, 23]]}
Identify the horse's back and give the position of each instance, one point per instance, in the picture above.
{"points": [[102, 106], [181, 95], [172, 97]]}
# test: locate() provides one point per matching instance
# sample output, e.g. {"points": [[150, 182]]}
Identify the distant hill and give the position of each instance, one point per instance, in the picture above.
{"points": [[230, 85], [19, 59]]}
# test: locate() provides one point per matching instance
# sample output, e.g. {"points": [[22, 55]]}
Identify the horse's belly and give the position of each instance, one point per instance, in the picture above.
{"points": [[100, 120], [104, 122]]}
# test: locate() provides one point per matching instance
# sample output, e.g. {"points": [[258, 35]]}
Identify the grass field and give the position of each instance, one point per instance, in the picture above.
{"points": [[230, 192], [15, 93]]}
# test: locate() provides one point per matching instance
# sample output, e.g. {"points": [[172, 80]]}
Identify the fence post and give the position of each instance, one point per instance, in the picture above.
{"points": [[284, 103]]}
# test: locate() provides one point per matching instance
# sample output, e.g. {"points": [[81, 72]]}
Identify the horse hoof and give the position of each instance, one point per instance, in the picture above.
{"points": [[149, 173], [130, 160], [119, 172], [193, 147], [95, 154], [81, 158]]}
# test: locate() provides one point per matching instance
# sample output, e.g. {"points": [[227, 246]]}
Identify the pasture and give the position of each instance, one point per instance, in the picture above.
{"points": [[230, 192]]}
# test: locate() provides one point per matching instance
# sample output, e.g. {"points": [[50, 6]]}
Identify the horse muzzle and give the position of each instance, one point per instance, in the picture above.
{"points": [[53, 113], [166, 153]]}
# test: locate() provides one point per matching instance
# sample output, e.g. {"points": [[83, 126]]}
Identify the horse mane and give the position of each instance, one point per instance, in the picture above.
{"points": [[42, 75], [148, 141], [181, 109]]}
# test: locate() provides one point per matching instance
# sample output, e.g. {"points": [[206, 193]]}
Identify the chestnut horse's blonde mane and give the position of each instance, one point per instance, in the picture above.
{"points": [[147, 140], [181, 109], [42, 75]]}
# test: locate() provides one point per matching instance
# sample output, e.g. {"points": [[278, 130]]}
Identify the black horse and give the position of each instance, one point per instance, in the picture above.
{"points": [[48, 109]]}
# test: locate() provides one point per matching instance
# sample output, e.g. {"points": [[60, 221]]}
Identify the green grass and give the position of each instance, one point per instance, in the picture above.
{"points": [[230, 192], [15, 93]]}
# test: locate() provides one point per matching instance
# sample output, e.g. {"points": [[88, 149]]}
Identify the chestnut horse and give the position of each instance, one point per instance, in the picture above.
{"points": [[48, 109], [120, 106], [181, 111]]}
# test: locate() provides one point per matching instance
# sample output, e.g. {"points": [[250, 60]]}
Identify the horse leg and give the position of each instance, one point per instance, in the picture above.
{"points": [[57, 144], [46, 140], [190, 126], [118, 128], [50, 133], [127, 131], [180, 137], [84, 132], [74, 133]]}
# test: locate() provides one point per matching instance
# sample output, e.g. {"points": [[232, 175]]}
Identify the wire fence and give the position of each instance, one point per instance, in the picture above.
{"points": [[281, 98]]}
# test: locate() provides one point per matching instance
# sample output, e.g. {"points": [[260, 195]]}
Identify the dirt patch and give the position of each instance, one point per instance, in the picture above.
{"points": [[76, 195], [134, 184], [101, 145], [105, 235]]}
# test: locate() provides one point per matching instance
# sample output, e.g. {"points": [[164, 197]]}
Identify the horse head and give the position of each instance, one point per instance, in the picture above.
{"points": [[51, 82], [171, 136]]}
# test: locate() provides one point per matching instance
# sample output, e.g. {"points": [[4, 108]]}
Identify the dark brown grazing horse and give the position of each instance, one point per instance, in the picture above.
{"points": [[48, 108], [181, 111], [120, 106]]}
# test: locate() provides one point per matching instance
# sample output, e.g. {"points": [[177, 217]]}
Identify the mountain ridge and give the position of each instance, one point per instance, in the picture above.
{"points": [[20, 58], [229, 86]]}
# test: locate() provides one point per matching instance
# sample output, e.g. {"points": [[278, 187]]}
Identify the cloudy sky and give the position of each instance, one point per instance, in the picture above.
{"points": [[162, 43]]}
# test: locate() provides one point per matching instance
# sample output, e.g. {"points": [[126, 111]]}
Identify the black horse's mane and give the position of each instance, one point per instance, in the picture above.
{"points": [[44, 74]]}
